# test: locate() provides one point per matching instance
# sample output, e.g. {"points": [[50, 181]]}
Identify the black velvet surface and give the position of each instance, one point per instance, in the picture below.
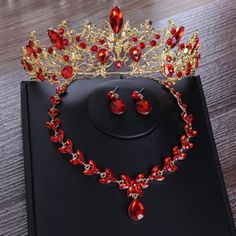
{"points": [[62, 201]]}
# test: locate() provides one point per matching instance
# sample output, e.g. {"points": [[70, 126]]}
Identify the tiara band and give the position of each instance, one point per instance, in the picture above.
{"points": [[117, 48]]}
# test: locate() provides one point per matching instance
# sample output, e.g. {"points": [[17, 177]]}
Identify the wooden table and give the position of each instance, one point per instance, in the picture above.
{"points": [[216, 22]]}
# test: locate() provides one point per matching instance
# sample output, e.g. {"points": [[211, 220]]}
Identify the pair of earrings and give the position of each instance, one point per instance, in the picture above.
{"points": [[118, 106]]}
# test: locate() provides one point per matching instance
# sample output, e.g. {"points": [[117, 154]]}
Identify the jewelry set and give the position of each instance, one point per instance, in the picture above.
{"points": [[116, 49]]}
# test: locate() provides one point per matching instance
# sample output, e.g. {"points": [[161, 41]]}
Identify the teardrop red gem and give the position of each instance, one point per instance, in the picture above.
{"points": [[116, 19], [117, 106], [143, 107], [169, 69], [135, 54], [103, 55], [56, 39], [136, 210]]}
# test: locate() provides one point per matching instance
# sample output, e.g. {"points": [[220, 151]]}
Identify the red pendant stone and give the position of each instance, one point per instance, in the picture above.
{"points": [[56, 39], [169, 69], [103, 55], [116, 19], [143, 107], [136, 210], [117, 106], [67, 72], [135, 54]]}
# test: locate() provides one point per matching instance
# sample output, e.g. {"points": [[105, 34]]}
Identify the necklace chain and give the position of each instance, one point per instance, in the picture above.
{"points": [[135, 186]]}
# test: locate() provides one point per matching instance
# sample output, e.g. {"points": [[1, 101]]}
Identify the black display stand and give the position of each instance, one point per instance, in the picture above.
{"points": [[63, 202]]}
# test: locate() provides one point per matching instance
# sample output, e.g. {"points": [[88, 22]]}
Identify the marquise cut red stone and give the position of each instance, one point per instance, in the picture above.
{"points": [[56, 39], [116, 19], [135, 54], [136, 210], [103, 55]]}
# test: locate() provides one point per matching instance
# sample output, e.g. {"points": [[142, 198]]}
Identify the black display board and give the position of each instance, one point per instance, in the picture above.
{"points": [[62, 201]]}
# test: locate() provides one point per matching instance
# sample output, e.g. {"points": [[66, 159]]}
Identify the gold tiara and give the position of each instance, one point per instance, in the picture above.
{"points": [[117, 49]]}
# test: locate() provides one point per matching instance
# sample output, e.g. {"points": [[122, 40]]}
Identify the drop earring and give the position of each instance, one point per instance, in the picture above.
{"points": [[143, 107], [117, 105]]}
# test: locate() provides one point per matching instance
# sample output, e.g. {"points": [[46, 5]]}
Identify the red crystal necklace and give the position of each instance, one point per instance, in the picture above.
{"points": [[135, 186]]}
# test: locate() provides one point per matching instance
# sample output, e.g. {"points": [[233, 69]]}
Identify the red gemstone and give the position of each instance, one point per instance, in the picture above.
{"points": [[169, 41], [118, 64], [61, 31], [53, 112], [29, 48], [39, 50], [56, 100], [143, 107], [77, 38], [157, 36], [136, 210], [103, 55], [179, 34], [50, 50], [78, 160], [179, 74], [188, 69], [173, 31], [94, 48], [117, 106], [190, 46], [109, 177], [66, 58], [141, 45], [153, 43], [54, 77], [82, 45], [116, 19], [67, 72], [110, 95], [134, 39], [135, 54], [135, 95], [40, 77], [53, 125], [27, 66], [169, 58], [65, 42], [92, 168], [58, 138], [181, 46], [67, 147], [56, 39], [169, 69], [101, 41]]}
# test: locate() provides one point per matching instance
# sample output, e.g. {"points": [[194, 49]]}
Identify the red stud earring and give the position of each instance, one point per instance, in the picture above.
{"points": [[117, 105], [142, 106]]}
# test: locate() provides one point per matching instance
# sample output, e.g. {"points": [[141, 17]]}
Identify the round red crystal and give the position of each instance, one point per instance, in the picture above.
{"points": [[141, 45], [136, 210], [82, 45], [118, 106], [94, 48], [153, 43], [118, 64], [143, 107]]}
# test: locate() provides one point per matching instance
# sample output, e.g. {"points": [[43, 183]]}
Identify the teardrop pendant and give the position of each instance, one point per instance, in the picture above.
{"points": [[136, 210]]}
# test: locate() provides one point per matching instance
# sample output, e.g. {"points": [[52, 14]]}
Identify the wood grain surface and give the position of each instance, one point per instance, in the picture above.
{"points": [[216, 22]]}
